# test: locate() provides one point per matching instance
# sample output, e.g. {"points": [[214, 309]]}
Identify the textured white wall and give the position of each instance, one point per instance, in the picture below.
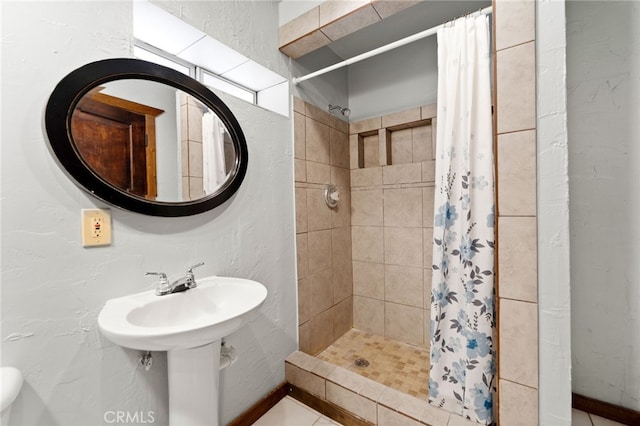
{"points": [[603, 82], [53, 289], [554, 321], [403, 78]]}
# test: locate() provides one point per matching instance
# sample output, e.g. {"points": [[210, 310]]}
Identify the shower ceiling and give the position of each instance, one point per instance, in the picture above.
{"points": [[420, 17]]}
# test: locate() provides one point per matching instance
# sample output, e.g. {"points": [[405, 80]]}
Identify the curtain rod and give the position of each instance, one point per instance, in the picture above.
{"points": [[382, 49]]}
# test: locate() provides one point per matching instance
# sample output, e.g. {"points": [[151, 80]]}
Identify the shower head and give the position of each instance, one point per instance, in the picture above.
{"points": [[343, 110]]}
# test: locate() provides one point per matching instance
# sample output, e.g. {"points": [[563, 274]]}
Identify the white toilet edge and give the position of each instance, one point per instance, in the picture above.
{"points": [[10, 385]]}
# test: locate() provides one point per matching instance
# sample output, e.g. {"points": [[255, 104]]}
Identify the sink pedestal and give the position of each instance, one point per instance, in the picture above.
{"points": [[193, 385]]}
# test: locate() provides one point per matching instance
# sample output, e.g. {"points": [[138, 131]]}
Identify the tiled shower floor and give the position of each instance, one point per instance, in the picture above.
{"points": [[394, 364]]}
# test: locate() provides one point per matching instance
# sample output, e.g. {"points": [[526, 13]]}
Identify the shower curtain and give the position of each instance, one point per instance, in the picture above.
{"points": [[462, 297], [213, 170]]}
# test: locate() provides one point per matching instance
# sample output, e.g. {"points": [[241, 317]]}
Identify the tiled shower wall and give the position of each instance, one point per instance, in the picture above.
{"points": [[191, 148], [517, 234], [323, 234], [392, 180]]}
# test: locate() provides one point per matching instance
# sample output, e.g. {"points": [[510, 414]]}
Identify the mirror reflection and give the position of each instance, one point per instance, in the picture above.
{"points": [[152, 140]]}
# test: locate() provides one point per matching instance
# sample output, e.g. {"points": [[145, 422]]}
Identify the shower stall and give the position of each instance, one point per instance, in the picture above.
{"points": [[365, 263]]}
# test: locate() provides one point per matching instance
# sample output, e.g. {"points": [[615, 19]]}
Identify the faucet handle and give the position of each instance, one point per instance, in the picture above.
{"points": [[162, 286], [192, 267]]}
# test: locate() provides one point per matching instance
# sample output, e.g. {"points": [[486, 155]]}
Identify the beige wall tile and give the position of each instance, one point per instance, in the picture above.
{"points": [[341, 177], [298, 105], [368, 279], [304, 337], [318, 173], [427, 279], [342, 282], [429, 111], [196, 187], [305, 380], [429, 171], [299, 135], [386, 8], [321, 287], [351, 22], [401, 147], [518, 404], [302, 249], [304, 300], [317, 114], [319, 243], [404, 323], [301, 170], [434, 416], [426, 342], [427, 240], [347, 379], [371, 150], [305, 44], [321, 327], [332, 10], [339, 124], [401, 117], [519, 342], [434, 137], [341, 246], [343, 317], [341, 214], [352, 402], [404, 285], [517, 173], [403, 246], [428, 195], [298, 27], [195, 159], [318, 213], [517, 258], [301, 210], [421, 139], [302, 360], [317, 141], [356, 152], [402, 173], [365, 125], [516, 88], [367, 208], [387, 417], [368, 314], [366, 177], [516, 23], [403, 207], [339, 146], [367, 243], [457, 420]]}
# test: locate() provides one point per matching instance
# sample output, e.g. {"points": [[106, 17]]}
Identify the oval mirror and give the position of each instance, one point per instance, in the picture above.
{"points": [[146, 138]]}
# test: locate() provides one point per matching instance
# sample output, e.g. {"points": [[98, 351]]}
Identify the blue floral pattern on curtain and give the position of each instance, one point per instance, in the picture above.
{"points": [[462, 297]]}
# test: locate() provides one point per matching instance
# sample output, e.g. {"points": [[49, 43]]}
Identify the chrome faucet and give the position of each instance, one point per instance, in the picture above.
{"points": [[181, 284]]}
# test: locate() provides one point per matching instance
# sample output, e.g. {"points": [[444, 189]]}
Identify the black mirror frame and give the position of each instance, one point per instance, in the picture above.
{"points": [[74, 86]]}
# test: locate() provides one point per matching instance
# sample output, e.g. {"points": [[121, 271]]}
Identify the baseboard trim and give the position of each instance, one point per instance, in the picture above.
{"points": [[609, 411], [258, 409], [327, 408]]}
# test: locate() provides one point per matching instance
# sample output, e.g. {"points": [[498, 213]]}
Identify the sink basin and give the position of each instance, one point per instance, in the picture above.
{"points": [[217, 307]]}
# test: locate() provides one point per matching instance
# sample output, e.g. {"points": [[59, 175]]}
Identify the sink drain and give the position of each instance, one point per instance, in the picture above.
{"points": [[361, 362]]}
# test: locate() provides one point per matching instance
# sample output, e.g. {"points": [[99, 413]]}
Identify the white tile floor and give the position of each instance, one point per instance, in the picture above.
{"points": [[289, 412], [580, 418]]}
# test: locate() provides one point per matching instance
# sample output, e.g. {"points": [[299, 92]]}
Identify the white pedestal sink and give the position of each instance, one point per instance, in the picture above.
{"points": [[189, 326]]}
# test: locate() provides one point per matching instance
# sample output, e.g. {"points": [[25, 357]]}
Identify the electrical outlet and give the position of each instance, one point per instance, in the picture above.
{"points": [[96, 227]]}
